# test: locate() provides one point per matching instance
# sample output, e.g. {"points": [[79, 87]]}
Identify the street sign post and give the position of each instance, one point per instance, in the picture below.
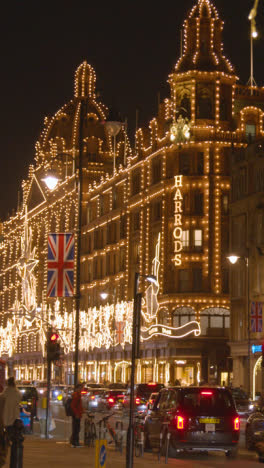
{"points": [[100, 453]]}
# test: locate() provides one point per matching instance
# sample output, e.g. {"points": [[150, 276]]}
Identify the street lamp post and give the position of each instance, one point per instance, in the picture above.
{"points": [[51, 181], [233, 260], [134, 356]]}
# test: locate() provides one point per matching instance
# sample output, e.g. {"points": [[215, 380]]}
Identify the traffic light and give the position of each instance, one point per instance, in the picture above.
{"points": [[53, 346]]}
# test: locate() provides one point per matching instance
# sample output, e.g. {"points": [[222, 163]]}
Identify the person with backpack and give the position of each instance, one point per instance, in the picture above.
{"points": [[77, 412]]}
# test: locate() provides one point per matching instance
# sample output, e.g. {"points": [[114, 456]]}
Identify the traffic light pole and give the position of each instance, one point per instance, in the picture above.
{"points": [[135, 346], [48, 395]]}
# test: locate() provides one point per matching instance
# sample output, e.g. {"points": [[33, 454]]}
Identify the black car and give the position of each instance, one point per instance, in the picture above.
{"points": [[113, 398], [198, 418], [254, 429], [142, 395], [243, 404]]}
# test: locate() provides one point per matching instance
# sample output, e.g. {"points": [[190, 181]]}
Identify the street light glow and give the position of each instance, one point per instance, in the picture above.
{"points": [[51, 182], [151, 279], [104, 295], [254, 33], [233, 259]]}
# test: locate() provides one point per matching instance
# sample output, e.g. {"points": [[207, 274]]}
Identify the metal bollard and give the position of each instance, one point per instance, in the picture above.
{"points": [[160, 446], [17, 438], [167, 447], [142, 443], [119, 433]]}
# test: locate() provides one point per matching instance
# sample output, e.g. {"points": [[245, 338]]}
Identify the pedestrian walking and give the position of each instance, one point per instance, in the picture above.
{"points": [[11, 410], [77, 412]]}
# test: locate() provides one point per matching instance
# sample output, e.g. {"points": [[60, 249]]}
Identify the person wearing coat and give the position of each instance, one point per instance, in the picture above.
{"points": [[77, 412], [11, 400]]}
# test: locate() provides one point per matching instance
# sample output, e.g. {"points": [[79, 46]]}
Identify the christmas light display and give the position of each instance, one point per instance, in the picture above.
{"points": [[134, 219]]}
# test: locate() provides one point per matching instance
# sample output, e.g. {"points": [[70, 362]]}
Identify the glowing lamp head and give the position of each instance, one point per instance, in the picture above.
{"points": [[187, 134], [254, 33], [104, 295], [151, 279], [51, 182], [233, 259]]}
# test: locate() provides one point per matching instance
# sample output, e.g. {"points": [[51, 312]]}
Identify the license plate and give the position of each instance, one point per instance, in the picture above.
{"points": [[209, 421], [210, 428]]}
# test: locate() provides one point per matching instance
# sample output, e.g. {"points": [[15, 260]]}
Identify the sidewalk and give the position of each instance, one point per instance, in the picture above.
{"points": [[42, 453]]}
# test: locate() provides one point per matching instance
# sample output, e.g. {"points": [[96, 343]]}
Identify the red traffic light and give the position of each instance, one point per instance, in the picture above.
{"points": [[54, 337]]}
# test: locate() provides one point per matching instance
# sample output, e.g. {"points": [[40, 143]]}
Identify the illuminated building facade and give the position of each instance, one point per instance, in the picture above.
{"points": [[163, 210], [247, 275]]}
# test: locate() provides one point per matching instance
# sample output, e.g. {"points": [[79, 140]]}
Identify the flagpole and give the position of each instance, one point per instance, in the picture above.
{"points": [[78, 253], [249, 337]]}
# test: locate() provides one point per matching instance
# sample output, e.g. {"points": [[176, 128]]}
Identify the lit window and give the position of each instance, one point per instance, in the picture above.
{"points": [[198, 238], [185, 239], [251, 131]]}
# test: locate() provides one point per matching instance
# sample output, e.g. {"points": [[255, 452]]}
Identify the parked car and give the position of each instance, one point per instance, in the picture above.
{"points": [[142, 395], [198, 418], [113, 398], [29, 398], [93, 399], [254, 431], [94, 385], [58, 392], [243, 404], [152, 400], [117, 386]]}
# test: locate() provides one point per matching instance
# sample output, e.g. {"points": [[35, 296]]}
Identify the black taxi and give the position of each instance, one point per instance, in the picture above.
{"points": [[198, 418]]}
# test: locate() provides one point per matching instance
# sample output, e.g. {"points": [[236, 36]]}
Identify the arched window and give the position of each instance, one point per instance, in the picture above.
{"points": [[24, 344], [31, 342], [38, 344], [183, 315], [214, 318], [164, 317]]}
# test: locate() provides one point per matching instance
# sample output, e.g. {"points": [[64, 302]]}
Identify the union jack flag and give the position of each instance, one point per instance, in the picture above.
{"points": [[256, 317], [60, 265], [119, 327]]}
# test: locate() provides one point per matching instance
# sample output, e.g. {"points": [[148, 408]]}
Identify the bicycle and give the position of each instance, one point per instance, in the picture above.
{"points": [[89, 430], [139, 435], [117, 438]]}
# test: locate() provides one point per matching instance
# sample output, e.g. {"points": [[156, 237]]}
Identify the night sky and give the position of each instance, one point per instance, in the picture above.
{"points": [[133, 46]]}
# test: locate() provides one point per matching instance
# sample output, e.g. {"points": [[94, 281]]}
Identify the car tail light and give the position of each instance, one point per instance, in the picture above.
{"points": [[180, 422], [236, 424], [207, 393], [137, 401], [92, 397], [111, 400], [83, 392]]}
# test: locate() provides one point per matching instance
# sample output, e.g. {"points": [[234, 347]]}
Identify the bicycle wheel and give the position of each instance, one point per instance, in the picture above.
{"points": [[93, 433], [87, 432]]}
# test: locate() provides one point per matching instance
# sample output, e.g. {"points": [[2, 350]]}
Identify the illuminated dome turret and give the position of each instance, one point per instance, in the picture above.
{"points": [[85, 81], [203, 48], [61, 132]]}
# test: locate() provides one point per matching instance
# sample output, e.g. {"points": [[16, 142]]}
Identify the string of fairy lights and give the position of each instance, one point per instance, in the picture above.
{"points": [[58, 212]]}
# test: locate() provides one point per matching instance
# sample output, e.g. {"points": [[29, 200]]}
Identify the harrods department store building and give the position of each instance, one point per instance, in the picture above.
{"points": [[159, 208]]}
